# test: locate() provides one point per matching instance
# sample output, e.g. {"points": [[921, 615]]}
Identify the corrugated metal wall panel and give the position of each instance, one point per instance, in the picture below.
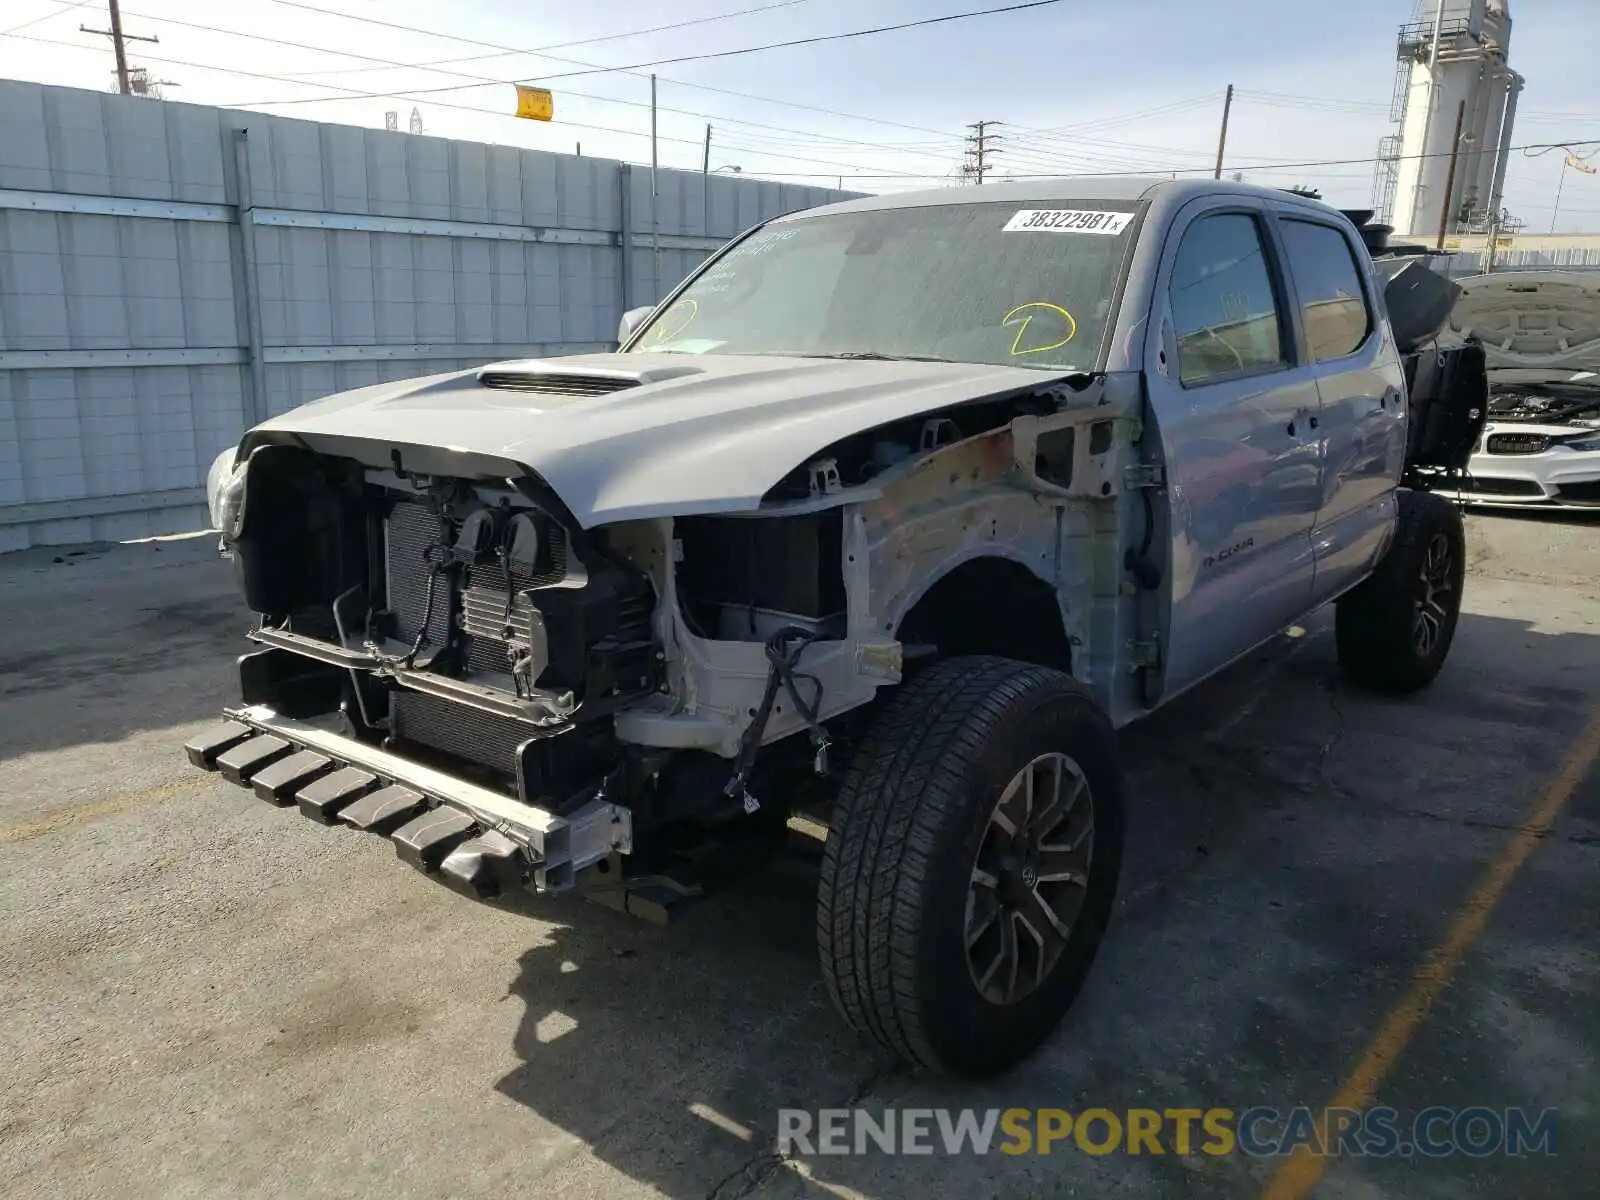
{"points": [[104, 445], [1475, 262], [74, 282]]}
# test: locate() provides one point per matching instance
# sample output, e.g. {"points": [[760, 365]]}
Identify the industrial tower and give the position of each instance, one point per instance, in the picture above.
{"points": [[1453, 75]]}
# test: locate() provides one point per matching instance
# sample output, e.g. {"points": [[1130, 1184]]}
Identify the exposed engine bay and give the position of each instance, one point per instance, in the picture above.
{"points": [[469, 621], [1548, 402]]}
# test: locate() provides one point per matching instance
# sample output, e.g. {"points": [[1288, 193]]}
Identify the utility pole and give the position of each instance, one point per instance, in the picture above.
{"points": [[1555, 210], [1222, 138], [705, 183], [980, 145], [118, 45], [655, 220], [1577, 163], [1450, 181]]}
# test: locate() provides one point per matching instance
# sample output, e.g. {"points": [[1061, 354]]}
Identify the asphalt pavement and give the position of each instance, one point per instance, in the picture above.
{"points": [[204, 996]]}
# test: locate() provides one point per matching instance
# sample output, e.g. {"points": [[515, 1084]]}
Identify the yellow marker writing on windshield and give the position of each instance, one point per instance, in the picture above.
{"points": [[670, 326], [1029, 311]]}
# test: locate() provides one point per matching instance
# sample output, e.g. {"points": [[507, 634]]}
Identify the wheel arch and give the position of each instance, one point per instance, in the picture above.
{"points": [[988, 601]]}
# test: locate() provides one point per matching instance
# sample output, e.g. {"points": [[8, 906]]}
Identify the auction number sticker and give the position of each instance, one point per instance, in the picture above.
{"points": [[1067, 220]]}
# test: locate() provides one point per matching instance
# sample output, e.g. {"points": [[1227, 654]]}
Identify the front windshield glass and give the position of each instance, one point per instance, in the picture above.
{"points": [[1025, 285]]}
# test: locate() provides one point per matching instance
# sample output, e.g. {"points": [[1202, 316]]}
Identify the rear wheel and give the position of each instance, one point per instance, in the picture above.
{"points": [[1395, 630], [972, 863]]}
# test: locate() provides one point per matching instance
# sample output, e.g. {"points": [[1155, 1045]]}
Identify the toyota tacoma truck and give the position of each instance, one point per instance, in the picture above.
{"points": [[891, 513]]}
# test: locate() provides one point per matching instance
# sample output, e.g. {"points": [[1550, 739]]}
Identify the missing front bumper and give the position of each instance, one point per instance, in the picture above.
{"points": [[478, 840]]}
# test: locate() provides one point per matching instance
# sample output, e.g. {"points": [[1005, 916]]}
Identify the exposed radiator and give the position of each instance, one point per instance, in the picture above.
{"points": [[409, 533]]}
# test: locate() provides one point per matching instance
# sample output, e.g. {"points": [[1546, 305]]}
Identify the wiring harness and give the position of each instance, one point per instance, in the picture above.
{"points": [[783, 651]]}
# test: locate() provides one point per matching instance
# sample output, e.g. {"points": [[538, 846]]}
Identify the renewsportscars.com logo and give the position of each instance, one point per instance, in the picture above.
{"points": [[1260, 1131]]}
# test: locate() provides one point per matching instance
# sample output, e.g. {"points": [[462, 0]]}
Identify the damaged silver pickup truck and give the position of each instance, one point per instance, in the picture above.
{"points": [[893, 511]]}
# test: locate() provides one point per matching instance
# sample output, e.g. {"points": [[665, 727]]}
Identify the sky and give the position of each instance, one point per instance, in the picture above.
{"points": [[1077, 87]]}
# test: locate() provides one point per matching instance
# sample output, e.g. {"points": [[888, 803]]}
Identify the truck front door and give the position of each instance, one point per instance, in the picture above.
{"points": [[1237, 412]]}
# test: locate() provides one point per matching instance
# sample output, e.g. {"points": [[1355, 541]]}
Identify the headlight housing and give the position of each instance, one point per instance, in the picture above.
{"points": [[225, 494], [1589, 441]]}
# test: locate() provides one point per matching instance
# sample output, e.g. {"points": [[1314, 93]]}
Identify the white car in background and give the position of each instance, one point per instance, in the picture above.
{"points": [[1541, 445]]}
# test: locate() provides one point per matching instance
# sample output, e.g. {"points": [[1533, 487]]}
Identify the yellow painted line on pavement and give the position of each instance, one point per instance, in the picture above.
{"points": [[59, 819], [1299, 1176]]}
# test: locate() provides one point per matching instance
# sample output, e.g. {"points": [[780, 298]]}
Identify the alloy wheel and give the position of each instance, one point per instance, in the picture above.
{"points": [[1030, 878], [1433, 595]]}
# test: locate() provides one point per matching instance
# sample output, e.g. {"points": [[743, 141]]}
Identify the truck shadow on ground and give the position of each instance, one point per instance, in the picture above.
{"points": [[668, 1052]]}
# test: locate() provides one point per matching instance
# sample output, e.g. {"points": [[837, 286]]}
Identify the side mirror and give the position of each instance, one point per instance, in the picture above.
{"points": [[631, 320]]}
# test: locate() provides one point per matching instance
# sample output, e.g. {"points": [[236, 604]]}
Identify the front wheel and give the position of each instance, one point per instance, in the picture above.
{"points": [[972, 863], [1395, 629]]}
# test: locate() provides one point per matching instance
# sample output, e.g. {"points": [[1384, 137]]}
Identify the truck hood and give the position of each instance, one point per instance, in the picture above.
{"points": [[1533, 319], [623, 436]]}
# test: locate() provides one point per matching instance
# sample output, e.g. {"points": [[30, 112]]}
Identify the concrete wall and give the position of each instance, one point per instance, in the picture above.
{"points": [[170, 274]]}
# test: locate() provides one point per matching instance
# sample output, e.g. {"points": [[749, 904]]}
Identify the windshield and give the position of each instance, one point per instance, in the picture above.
{"points": [[1026, 285]]}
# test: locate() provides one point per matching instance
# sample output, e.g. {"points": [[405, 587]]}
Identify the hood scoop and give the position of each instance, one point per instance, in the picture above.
{"points": [[555, 385], [548, 379]]}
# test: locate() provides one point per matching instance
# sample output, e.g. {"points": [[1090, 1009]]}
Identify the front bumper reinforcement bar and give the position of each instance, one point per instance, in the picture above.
{"points": [[478, 840]]}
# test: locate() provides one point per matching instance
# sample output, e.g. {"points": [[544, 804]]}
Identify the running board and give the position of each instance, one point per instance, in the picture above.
{"points": [[479, 841]]}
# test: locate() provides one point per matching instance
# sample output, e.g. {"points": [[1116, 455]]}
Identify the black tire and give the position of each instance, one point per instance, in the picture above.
{"points": [[1394, 630], [910, 823]]}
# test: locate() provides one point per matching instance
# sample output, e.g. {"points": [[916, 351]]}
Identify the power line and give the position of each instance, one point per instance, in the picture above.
{"points": [[1124, 118], [941, 134], [1383, 106], [1290, 100], [1276, 167], [257, 37], [475, 108], [712, 54], [590, 41], [1044, 143], [1281, 167], [60, 11], [701, 87]]}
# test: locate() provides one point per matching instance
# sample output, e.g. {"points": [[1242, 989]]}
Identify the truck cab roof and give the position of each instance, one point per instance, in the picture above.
{"points": [[1171, 192]]}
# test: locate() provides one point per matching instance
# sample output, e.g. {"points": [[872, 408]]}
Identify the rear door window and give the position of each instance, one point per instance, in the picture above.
{"points": [[1224, 307], [1333, 304]]}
